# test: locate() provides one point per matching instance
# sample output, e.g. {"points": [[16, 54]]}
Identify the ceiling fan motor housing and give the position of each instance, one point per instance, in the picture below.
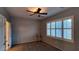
{"points": [[38, 10]]}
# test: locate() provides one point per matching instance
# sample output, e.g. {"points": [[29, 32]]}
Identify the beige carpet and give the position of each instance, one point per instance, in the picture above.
{"points": [[33, 46]]}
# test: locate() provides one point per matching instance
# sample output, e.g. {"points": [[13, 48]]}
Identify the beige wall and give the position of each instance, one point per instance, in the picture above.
{"points": [[25, 30], [4, 12], [63, 45]]}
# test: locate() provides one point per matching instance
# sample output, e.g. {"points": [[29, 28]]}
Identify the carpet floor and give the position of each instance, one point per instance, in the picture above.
{"points": [[33, 46]]}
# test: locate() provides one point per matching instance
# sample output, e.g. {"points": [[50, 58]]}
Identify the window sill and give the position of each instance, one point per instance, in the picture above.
{"points": [[57, 38]]}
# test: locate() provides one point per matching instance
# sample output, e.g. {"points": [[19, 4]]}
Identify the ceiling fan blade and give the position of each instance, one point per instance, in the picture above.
{"points": [[29, 11], [43, 13]]}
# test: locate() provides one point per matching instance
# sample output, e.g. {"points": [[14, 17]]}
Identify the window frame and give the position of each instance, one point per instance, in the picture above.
{"points": [[54, 29], [58, 28], [62, 37], [72, 29], [55, 37], [47, 29]]}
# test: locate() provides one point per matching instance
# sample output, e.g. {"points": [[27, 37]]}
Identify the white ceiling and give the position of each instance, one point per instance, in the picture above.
{"points": [[21, 11]]}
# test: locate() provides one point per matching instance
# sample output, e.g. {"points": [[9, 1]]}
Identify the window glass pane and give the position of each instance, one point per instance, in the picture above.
{"points": [[67, 34], [59, 24], [48, 32], [67, 23], [53, 32], [58, 33], [52, 24], [48, 25]]}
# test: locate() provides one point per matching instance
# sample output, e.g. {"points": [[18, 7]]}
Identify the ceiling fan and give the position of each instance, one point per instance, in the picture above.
{"points": [[38, 12]]}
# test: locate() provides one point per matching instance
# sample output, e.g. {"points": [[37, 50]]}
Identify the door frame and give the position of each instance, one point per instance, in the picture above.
{"points": [[4, 19]]}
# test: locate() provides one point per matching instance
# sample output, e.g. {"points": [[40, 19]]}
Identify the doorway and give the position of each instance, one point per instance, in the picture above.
{"points": [[5, 34], [8, 34]]}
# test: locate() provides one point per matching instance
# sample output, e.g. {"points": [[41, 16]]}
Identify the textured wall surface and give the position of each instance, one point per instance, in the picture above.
{"points": [[3, 12], [25, 30]]}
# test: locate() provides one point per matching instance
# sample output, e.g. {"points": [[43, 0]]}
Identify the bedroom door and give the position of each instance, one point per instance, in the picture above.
{"points": [[2, 34]]}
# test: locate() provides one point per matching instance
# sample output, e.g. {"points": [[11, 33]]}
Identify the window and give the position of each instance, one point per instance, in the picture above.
{"points": [[67, 29], [60, 29], [53, 29], [56, 29], [48, 29]]}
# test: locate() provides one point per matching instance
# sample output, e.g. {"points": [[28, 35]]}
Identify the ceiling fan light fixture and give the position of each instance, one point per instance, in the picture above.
{"points": [[37, 11]]}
